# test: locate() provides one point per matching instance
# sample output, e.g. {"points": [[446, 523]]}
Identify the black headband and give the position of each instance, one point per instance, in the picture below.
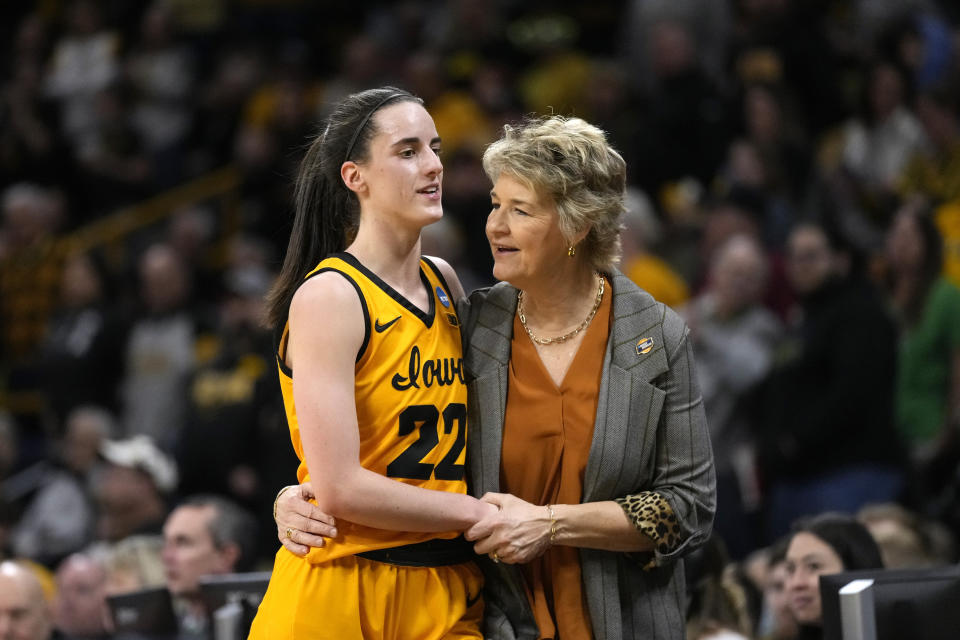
{"points": [[366, 118]]}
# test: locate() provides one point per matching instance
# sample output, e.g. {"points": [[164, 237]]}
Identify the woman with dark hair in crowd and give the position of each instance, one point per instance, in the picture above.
{"points": [[928, 373], [822, 545], [828, 439]]}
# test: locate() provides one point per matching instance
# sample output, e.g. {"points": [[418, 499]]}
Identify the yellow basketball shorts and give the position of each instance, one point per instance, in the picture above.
{"points": [[357, 598]]}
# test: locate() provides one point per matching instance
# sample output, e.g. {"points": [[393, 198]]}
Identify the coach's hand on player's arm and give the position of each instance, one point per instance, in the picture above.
{"points": [[300, 523], [517, 533]]}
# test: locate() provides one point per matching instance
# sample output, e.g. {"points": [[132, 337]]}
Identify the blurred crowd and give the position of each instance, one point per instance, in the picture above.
{"points": [[794, 170]]}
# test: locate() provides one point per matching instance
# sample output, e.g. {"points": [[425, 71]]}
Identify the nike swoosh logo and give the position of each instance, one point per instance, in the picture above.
{"points": [[472, 601], [380, 328]]}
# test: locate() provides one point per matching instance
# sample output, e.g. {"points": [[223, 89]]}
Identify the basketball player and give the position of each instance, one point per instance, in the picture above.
{"points": [[377, 405]]}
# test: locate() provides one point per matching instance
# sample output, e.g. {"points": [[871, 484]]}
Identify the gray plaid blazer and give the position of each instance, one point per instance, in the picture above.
{"points": [[650, 435]]}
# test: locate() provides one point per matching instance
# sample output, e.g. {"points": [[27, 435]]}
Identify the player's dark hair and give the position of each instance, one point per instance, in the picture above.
{"points": [[326, 212]]}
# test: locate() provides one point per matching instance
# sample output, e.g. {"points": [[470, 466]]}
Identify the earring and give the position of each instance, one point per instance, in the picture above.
{"points": [[571, 251]]}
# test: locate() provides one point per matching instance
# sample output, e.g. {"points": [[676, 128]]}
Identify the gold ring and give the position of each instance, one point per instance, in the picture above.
{"points": [[495, 556], [289, 533]]}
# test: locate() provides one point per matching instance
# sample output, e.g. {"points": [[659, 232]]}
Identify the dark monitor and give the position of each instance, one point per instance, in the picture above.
{"points": [[231, 601], [914, 604], [245, 588], [147, 613]]}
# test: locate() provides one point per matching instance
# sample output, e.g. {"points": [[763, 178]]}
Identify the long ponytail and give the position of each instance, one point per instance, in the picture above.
{"points": [[327, 213]]}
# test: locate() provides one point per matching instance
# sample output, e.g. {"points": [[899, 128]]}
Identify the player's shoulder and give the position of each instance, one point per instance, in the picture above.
{"points": [[448, 275], [325, 291]]}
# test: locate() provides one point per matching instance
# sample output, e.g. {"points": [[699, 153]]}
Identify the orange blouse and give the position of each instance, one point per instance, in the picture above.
{"points": [[547, 434]]}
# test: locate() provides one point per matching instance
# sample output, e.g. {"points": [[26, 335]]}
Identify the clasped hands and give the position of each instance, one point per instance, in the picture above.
{"points": [[516, 533]]}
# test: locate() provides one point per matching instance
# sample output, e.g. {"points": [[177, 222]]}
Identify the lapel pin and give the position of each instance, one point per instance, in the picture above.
{"points": [[644, 346]]}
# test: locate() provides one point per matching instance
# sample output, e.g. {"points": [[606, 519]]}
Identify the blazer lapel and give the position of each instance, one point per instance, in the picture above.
{"points": [[628, 364], [487, 364]]}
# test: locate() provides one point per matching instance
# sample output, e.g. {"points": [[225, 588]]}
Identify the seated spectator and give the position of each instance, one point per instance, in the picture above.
{"points": [[160, 72], [160, 349], [934, 170], [24, 612], [84, 60], [204, 535], [876, 145], [80, 357], [719, 602], [219, 449], [822, 545], [907, 539], [134, 563], [734, 337], [878, 142], [684, 120], [80, 610], [776, 619], [639, 263], [30, 262], [132, 491], [59, 519], [827, 430], [33, 146], [928, 375]]}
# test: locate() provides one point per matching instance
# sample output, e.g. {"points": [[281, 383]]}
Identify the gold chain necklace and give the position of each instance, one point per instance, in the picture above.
{"points": [[566, 336]]}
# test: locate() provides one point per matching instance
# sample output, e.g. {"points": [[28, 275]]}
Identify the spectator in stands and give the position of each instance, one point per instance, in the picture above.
{"points": [[642, 231], [718, 602], [80, 357], [204, 535], [928, 380], [768, 167], [30, 263], [160, 349], [777, 620], [828, 437], [822, 545], [785, 41], [878, 142], [132, 491], [85, 60], [60, 517], [113, 162], [221, 96], [161, 73], [31, 254], [24, 611], [33, 148], [773, 128], [135, 563], [709, 23], [934, 171], [684, 123], [80, 610], [229, 444], [192, 233], [734, 337], [907, 539]]}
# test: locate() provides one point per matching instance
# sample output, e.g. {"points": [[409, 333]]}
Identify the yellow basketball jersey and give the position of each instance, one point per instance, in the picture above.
{"points": [[410, 397]]}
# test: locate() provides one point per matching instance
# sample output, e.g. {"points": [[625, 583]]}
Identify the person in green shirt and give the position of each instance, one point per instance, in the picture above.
{"points": [[928, 305]]}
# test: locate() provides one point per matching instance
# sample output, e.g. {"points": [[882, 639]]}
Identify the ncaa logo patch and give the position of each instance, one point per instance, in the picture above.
{"points": [[444, 300], [644, 346]]}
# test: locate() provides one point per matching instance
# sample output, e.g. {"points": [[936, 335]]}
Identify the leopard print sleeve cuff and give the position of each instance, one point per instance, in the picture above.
{"points": [[653, 516]]}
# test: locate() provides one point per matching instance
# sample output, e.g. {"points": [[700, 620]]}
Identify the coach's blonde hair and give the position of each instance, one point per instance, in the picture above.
{"points": [[570, 161]]}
